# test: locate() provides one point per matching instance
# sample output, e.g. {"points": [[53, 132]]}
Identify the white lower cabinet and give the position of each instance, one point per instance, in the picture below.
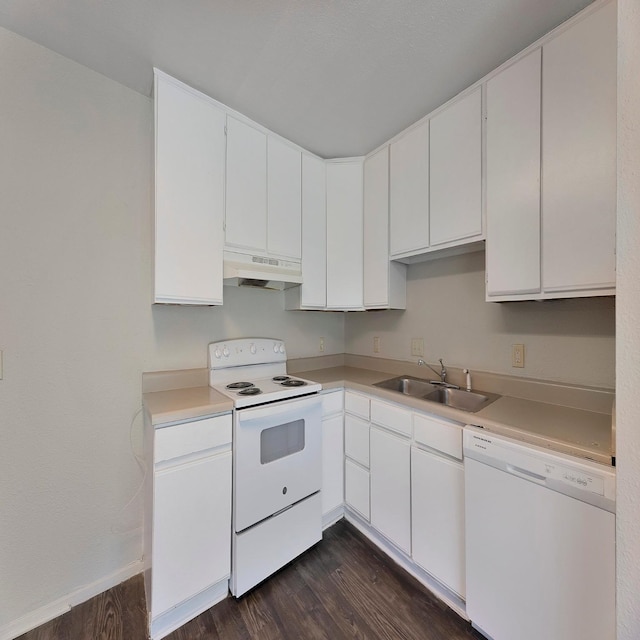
{"points": [[356, 451], [356, 488], [191, 540], [187, 541], [332, 454], [391, 487], [356, 439], [404, 474], [437, 517]]}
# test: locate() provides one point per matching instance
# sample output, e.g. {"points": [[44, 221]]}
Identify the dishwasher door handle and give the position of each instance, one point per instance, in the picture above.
{"points": [[527, 475]]}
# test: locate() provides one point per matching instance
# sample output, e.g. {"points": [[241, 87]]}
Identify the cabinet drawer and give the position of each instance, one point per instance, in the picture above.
{"points": [[356, 491], [356, 439], [332, 402], [391, 417], [191, 437], [437, 434], [356, 404]]}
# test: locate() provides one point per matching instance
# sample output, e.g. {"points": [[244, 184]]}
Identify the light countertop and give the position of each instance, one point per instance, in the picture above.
{"points": [[579, 432]]}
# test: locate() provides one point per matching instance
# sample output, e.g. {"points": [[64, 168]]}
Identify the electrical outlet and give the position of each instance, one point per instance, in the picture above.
{"points": [[417, 347], [376, 344], [517, 356], [321, 345]]}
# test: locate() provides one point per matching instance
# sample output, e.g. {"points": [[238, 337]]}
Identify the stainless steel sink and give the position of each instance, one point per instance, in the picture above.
{"points": [[470, 401], [408, 385]]}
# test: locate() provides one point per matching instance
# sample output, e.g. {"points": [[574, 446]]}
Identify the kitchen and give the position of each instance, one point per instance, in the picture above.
{"points": [[79, 328]]}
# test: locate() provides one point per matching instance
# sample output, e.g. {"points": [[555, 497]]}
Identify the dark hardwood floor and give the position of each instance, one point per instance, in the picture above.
{"points": [[342, 588]]}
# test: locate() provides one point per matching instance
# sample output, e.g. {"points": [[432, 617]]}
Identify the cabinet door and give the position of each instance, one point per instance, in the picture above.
{"points": [[314, 232], [376, 229], [513, 179], [246, 197], [344, 235], [332, 463], [384, 281], [189, 197], [356, 488], [579, 155], [191, 529], [455, 170], [437, 512], [391, 487], [409, 191], [284, 175], [356, 439]]}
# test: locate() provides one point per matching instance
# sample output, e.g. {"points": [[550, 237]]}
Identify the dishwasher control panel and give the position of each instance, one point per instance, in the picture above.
{"points": [[551, 469]]}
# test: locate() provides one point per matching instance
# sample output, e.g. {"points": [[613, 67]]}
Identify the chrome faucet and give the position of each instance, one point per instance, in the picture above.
{"points": [[442, 373]]}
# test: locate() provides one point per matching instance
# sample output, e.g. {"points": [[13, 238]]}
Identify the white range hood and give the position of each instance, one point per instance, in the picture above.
{"points": [[246, 270]]}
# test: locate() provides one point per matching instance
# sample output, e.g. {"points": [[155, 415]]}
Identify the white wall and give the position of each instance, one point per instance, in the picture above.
{"points": [[628, 324], [77, 327], [570, 341]]}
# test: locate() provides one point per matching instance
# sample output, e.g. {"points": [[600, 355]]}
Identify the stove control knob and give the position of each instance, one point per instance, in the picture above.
{"points": [[217, 353], [253, 349], [281, 349], [275, 347], [225, 352]]}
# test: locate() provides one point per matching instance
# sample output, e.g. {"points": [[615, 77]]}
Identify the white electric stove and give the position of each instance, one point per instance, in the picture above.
{"points": [[277, 457]]}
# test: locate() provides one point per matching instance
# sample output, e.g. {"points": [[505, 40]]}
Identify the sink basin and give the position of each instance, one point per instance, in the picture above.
{"points": [[470, 401], [408, 385]]}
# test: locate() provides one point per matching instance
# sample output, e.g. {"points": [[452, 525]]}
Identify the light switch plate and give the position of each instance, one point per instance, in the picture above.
{"points": [[376, 344]]}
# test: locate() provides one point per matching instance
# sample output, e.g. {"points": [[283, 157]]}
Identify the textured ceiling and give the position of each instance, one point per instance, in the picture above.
{"points": [[338, 77]]}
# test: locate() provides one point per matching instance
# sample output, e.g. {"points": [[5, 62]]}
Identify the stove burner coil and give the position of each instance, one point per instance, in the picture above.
{"points": [[240, 385], [280, 378], [249, 391], [293, 383]]}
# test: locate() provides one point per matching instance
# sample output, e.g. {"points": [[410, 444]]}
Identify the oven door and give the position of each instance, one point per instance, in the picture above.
{"points": [[277, 452]]}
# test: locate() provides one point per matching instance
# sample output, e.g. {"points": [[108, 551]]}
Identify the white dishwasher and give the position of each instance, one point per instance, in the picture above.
{"points": [[540, 542]]}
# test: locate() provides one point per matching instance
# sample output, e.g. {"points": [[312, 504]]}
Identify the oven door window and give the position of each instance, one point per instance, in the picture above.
{"points": [[281, 441]]}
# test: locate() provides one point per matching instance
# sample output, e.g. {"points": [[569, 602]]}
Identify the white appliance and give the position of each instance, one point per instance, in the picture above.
{"points": [[540, 542], [277, 457]]}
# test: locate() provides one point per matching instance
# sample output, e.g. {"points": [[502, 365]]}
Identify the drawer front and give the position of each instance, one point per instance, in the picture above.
{"points": [[356, 404], [356, 489], [439, 435], [391, 417], [191, 437], [356, 439], [332, 402]]}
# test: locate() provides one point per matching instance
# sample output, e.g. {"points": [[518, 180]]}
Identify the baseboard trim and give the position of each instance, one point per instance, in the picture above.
{"points": [[173, 619], [331, 517], [56, 608]]}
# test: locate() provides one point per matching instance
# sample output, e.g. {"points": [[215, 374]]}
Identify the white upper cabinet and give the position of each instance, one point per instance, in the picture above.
{"points": [[513, 179], [246, 197], [579, 155], [312, 294], [409, 192], [344, 234], [384, 281], [551, 213], [189, 195], [455, 170], [284, 170]]}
